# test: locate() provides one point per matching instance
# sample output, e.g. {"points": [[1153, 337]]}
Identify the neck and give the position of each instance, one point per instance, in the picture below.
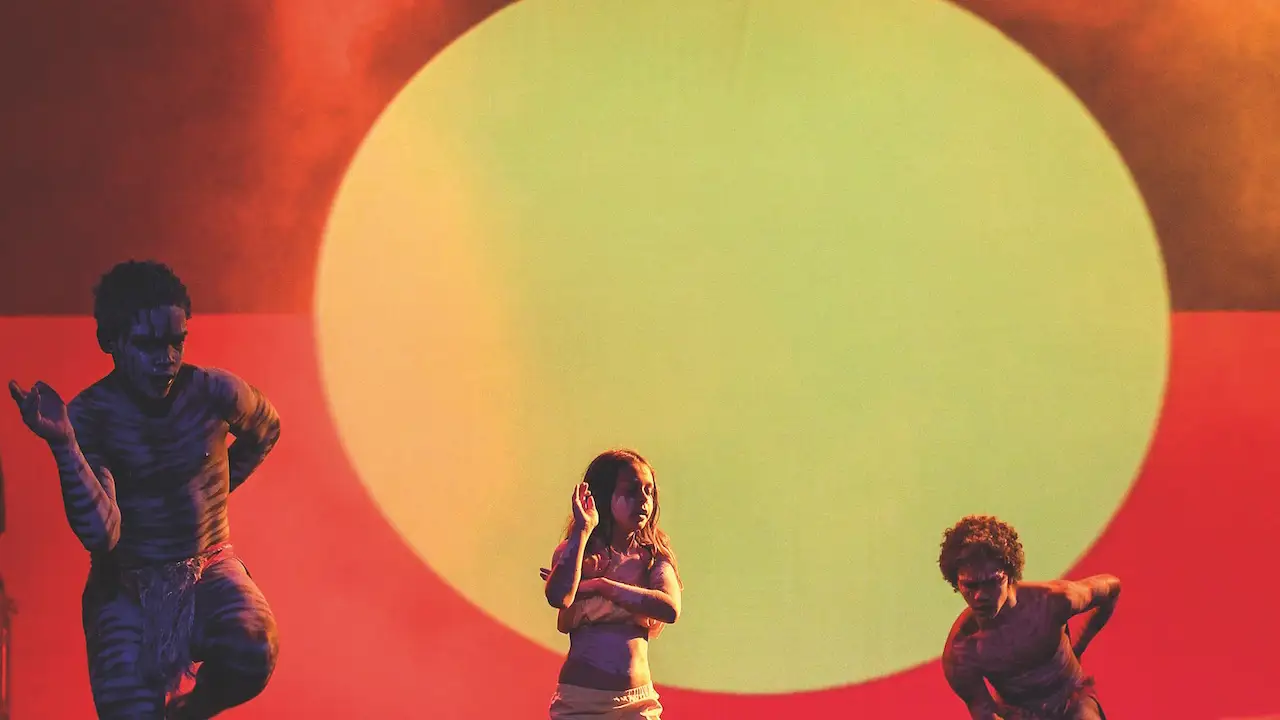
{"points": [[622, 539], [151, 406]]}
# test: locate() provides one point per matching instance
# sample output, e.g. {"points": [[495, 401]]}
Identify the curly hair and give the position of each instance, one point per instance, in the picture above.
{"points": [[129, 288], [987, 536]]}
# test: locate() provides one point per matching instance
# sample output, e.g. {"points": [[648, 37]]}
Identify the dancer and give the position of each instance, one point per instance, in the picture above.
{"points": [[614, 580], [145, 473], [1014, 634]]}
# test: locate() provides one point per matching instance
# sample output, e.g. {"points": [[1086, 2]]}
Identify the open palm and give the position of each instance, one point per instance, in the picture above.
{"points": [[42, 410], [585, 514]]}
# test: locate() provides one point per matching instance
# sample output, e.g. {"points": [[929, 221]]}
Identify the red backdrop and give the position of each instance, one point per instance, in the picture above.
{"points": [[213, 136]]}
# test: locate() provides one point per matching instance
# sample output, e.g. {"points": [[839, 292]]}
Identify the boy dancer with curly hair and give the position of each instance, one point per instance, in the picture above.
{"points": [[1014, 635]]}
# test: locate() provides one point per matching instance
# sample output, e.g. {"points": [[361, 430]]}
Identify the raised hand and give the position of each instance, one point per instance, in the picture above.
{"points": [[585, 514], [43, 411]]}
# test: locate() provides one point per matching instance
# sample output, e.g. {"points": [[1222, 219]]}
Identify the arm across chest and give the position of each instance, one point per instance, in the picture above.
{"points": [[631, 568]]}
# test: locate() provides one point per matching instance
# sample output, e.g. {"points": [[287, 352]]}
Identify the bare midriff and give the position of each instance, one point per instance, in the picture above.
{"points": [[607, 656]]}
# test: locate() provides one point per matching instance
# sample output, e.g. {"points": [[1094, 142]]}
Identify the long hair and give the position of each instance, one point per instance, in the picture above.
{"points": [[602, 477]]}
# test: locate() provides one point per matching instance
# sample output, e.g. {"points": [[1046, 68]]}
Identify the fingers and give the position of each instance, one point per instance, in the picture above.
{"points": [[47, 391], [581, 495], [31, 401], [16, 392], [544, 573]]}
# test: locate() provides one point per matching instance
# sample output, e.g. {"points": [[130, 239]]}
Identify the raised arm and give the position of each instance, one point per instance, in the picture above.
{"points": [[967, 683], [88, 489], [566, 571], [566, 562], [1097, 594], [660, 601], [251, 419]]}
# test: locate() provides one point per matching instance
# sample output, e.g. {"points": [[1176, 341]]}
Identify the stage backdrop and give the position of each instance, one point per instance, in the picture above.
{"points": [[844, 271]]}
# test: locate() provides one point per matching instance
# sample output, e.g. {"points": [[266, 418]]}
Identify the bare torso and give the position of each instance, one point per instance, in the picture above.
{"points": [[607, 657], [1024, 653], [170, 465]]}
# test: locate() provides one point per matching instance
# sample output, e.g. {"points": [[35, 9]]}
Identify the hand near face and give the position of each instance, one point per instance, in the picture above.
{"points": [[585, 515]]}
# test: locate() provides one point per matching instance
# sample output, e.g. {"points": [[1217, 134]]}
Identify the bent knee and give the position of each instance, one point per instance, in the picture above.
{"points": [[251, 667], [257, 658], [249, 653]]}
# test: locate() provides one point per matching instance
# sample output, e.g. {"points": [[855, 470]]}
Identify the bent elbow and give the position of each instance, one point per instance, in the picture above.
{"points": [[1114, 586], [101, 538], [672, 615], [559, 601], [100, 542], [273, 433]]}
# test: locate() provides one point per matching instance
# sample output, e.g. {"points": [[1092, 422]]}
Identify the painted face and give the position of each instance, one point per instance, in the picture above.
{"points": [[633, 498], [984, 586], [149, 353]]}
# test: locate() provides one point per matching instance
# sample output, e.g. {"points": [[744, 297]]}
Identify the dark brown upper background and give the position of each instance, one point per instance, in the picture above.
{"points": [[214, 135]]}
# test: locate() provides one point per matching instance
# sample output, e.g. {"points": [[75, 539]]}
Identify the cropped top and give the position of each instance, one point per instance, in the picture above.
{"points": [[629, 568]]}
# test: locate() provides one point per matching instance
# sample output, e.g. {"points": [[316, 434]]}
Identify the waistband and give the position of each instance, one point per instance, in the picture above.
{"points": [[1054, 707], [111, 561], [635, 694]]}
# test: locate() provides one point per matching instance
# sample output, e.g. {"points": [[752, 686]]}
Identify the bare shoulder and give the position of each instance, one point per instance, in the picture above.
{"points": [[217, 380], [94, 401], [1043, 599], [652, 559], [212, 373], [1089, 584], [1035, 592], [223, 388], [960, 661], [958, 637], [662, 572], [1071, 597]]}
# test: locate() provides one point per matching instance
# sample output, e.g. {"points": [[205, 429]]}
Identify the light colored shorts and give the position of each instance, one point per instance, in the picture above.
{"points": [[571, 702]]}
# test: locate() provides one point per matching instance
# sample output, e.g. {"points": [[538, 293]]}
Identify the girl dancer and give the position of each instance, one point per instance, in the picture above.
{"points": [[614, 581]]}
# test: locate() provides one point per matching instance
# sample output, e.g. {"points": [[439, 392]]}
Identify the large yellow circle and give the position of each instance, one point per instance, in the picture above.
{"points": [[845, 272]]}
